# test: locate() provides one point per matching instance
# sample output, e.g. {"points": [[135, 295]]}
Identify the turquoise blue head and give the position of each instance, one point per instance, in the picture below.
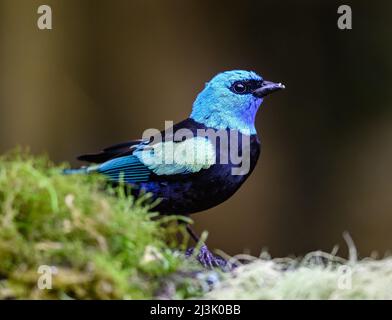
{"points": [[231, 100]]}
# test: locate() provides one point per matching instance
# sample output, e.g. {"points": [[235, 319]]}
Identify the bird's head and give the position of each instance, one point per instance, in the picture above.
{"points": [[231, 100]]}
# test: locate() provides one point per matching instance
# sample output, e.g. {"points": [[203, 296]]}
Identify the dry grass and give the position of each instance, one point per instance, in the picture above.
{"points": [[319, 275]]}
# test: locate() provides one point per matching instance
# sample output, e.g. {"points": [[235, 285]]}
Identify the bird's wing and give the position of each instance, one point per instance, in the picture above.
{"points": [[161, 159], [115, 151], [127, 148]]}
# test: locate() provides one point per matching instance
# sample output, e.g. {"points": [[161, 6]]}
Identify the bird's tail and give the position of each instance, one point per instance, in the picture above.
{"points": [[82, 170], [75, 171]]}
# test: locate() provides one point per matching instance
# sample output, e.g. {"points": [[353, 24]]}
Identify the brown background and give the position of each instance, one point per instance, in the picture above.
{"points": [[110, 69]]}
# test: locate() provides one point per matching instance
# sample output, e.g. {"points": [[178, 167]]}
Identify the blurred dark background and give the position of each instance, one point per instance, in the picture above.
{"points": [[110, 69]]}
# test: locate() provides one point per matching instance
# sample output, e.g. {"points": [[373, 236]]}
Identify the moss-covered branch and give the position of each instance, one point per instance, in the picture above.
{"points": [[106, 245], [103, 244]]}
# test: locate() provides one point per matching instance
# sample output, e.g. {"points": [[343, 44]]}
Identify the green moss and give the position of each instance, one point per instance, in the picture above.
{"points": [[103, 243]]}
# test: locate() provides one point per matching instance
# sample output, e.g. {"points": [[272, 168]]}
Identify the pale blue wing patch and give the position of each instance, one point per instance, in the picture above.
{"points": [[169, 158]]}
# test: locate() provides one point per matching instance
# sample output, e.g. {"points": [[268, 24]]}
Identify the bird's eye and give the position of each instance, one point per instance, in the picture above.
{"points": [[239, 87]]}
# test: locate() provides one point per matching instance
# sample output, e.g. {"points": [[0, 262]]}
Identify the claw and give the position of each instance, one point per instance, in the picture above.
{"points": [[209, 260]]}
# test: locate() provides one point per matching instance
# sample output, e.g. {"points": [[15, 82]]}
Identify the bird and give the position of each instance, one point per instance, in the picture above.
{"points": [[189, 167]]}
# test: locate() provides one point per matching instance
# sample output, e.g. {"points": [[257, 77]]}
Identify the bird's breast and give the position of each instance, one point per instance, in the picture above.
{"points": [[196, 192]]}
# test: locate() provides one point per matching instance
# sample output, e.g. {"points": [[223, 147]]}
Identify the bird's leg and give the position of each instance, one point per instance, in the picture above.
{"points": [[192, 233], [205, 257]]}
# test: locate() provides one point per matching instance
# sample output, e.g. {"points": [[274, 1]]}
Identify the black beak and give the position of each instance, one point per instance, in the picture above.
{"points": [[266, 88]]}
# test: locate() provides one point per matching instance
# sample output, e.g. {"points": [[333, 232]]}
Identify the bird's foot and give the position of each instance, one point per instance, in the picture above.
{"points": [[208, 259]]}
